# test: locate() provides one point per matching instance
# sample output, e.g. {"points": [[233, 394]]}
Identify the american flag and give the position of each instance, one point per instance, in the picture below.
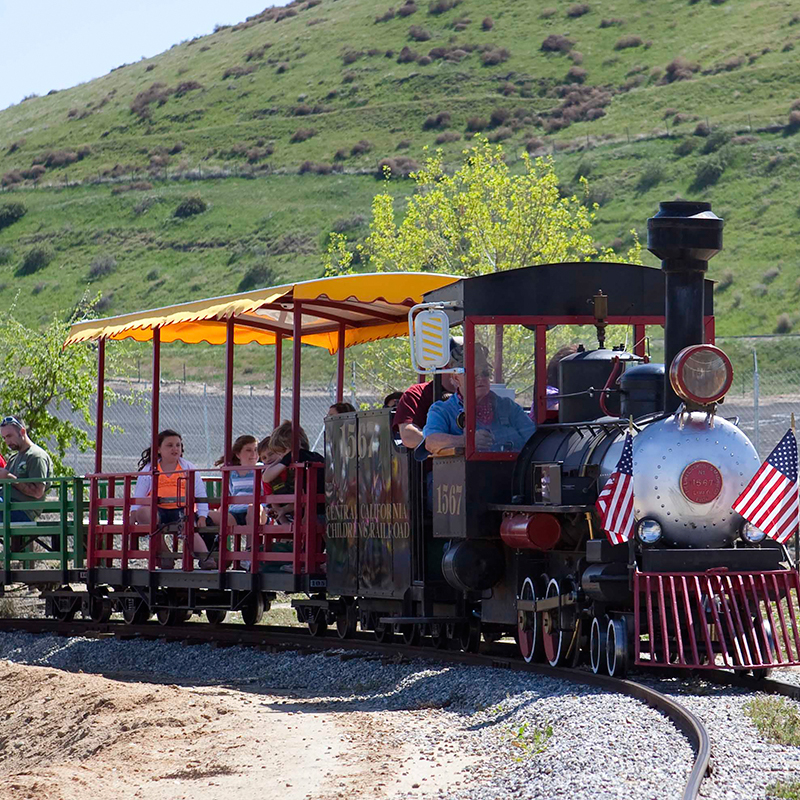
{"points": [[615, 503], [770, 501]]}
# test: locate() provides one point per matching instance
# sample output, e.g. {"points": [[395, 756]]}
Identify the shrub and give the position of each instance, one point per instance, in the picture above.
{"points": [[346, 224], [476, 124], [302, 135], [684, 147], [507, 89], [185, 87], [651, 176], [398, 166], [726, 281], [714, 141], [403, 144], [153, 275], [534, 143], [679, 69], [257, 276], [499, 116], [360, 147], [6, 254], [794, 121], [317, 169], [448, 136], [578, 10], [14, 146], [555, 43], [190, 206], [12, 177], [340, 154], [709, 171], [628, 41], [37, 258], [575, 56], [611, 22], [407, 55], [441, 6], [60, 158], [546, 13], [440, 120], [238, 72], [407, 9], [418, 33], [11, 213], [282, 67], [351, 56], [257, 53], [349, 77], [784, 324], [155, 93], [498, 55], [487, 24], [499, 134], [386, 16], [770, 274], [576, 75], [702, 129], [423, 61], [302, 110], [102, 266]]}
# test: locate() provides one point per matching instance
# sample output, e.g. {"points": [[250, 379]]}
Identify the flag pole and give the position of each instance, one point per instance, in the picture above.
{"points": [[796, 530], [632, 540]]}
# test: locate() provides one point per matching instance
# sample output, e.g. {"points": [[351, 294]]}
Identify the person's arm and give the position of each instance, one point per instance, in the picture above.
{"points": [[524, 425], [437, 431], [37, 468], [274, 470], [410, 434], [142, 488]]}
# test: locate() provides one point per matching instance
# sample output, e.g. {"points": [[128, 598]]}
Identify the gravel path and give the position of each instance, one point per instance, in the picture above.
{"points": [[513, 735], [744, 764]]}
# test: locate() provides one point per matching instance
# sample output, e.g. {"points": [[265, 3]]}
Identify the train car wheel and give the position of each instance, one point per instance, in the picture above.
{"points": [[137, 614], [68, 614], [469, 636], [347, 622], [552, 635], [439, 636], [216, 616], [317, 624], [529, 625], [100, 608], [411, 634], [253, 611], [167, 616], [383, 633], [597, 645], [617, 648]]}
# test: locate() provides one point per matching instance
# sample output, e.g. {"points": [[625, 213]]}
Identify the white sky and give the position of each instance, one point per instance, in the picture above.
{"points": [[55, 44]]}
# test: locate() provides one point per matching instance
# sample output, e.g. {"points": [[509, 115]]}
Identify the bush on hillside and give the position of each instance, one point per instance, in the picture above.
{"points": [[6, 254], [59, 158], [651, 176], [708, 172], [351, 56], [555, 43], [500, 134], [386, 16], [679, 69], [611, 22], [685, 146], [407, 9], [37, 258], [628, 41], [783, 324], [546, 13], [101, 266], [476, 124], [487, 24], [302, 135], [770, 274], [190, 206], [345, 224], [497, 55], [407, 55], [702, 129], [257, 53], [441, 6], [725, 282], [256, 277], [156, 93], [403, 144], [11, 213], [576, 75], [238, 72], [575, 56], [714, 141], [184, 87], [418, 33], [794, 121], [397, 166], [578, 10], [423, 61], [448, 136], [533, 144], [14, 146], [12, 177], [361, 147]]}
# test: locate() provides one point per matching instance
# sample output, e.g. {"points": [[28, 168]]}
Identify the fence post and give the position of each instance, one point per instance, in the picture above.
{"points": [[180, 408], [252, 411], [756, 388], [205, 424]]}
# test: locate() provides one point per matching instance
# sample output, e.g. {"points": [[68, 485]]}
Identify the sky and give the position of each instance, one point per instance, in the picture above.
{"points": [[55, 44]]}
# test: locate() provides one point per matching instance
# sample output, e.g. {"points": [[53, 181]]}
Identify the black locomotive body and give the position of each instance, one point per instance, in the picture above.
{"points": [[510, 543]]}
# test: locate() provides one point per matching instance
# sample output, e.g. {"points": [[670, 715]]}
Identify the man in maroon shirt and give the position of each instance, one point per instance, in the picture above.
{"points": [[412, 409]]}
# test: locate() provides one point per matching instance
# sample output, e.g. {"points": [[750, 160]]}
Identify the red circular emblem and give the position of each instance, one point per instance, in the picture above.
{"points": [[701, 482]]}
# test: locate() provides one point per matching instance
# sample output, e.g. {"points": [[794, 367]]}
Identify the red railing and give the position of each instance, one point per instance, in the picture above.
{"points": [[739, 620], [114, 540]]}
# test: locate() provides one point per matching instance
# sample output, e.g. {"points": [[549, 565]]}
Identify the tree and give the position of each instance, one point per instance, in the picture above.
{"points": [[40, 378], [480, 218]]}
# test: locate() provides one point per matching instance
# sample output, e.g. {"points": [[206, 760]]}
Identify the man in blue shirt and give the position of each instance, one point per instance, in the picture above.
{"points": [[501, 424]]}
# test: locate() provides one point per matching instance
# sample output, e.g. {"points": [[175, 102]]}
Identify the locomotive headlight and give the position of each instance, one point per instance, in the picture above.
{"points": [[751, 534], [701, 373], [648, 531]]}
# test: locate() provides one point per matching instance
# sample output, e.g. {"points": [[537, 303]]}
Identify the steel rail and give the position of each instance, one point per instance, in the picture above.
{"points": [[278, 638]]}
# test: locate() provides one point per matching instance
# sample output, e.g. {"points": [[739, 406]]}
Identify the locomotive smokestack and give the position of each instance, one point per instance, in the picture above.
{"points": [[684, 236]]}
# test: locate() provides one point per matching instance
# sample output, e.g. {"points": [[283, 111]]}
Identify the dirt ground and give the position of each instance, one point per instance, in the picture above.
{"points": [[67, 736]]}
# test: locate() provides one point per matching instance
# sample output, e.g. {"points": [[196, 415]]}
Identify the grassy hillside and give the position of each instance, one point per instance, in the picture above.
{"points": [[278, 125]]}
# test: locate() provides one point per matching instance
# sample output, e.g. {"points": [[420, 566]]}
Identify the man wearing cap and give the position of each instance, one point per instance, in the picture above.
{"points": [[28, 461], [411, 411]]}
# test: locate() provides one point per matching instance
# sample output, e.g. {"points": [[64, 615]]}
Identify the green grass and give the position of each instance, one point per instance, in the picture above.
{"points": [[785, 791], [776, 719], [277, 220]]}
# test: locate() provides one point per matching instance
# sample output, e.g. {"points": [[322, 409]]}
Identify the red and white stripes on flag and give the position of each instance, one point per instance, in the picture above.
{"points": [[770, 501], [615, 502]]}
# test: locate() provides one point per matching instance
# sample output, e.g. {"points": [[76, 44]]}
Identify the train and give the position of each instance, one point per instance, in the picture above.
{"points": [[474, 544]]}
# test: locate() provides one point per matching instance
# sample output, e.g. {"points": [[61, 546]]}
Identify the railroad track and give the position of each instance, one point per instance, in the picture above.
{"points": [[278, 638]]}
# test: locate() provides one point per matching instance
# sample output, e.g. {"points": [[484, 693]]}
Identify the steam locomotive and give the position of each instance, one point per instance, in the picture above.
{"points": [[513, 545]]}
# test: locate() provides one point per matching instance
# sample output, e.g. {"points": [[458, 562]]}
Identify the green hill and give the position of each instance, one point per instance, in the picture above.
{"points": [[278, 124]]}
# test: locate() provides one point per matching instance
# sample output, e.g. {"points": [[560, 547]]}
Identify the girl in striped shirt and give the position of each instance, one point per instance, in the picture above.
{"points": [[241, 482]]}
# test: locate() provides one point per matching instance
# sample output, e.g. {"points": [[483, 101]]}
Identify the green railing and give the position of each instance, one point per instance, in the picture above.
{"points": [[65, 504]]}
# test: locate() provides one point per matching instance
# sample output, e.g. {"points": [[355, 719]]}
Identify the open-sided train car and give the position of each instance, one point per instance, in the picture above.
{"points": [[509, 542]]}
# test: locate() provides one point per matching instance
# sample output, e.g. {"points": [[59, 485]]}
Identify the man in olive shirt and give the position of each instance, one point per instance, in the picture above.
{"points": [[28, 461]]}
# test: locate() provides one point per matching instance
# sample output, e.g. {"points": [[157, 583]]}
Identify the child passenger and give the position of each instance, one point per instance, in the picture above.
{"points": [[240, 482]]}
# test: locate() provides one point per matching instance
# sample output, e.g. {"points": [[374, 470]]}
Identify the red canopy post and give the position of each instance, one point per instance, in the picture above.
{"points": [[155, 408], [101, 390], [229, 345], [276, 417], [340, 366], [540, 371], [498, 353], [297, 335]]}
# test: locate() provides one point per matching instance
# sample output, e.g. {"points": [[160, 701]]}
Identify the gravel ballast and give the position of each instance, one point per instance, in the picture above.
{"points": [[523, 736]]}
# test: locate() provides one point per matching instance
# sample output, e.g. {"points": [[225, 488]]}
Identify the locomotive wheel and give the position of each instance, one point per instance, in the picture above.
{"points": [[100, 608], [216, 616], [383, 633], [617, 648], [552, 636], [597, 645], [317, 624], [253, 611], [529, 626], [411, 634], [469, 636], [439, 636], [168, 616]]}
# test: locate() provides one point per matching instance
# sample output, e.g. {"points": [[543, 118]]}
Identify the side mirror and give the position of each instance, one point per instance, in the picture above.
{"points": [[429, 331]]}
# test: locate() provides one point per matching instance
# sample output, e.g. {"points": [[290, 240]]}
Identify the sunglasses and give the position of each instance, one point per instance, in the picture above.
{"points": [[17, 423]]}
